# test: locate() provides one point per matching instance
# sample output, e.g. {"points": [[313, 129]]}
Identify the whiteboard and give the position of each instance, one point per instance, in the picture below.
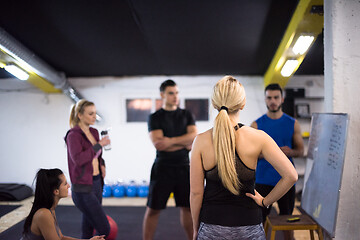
{"points": [[324, 168]]}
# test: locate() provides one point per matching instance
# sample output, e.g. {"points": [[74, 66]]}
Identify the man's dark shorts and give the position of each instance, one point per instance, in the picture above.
{"points": [[165, 180], [286, 203]]}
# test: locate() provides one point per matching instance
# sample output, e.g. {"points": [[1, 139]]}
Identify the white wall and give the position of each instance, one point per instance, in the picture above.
{"points": [[33, 124], [314, 88], [32, 129]]}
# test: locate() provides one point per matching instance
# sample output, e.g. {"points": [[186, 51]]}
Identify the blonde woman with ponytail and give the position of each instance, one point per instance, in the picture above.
{"points": [[87, 168], [226, 156]]}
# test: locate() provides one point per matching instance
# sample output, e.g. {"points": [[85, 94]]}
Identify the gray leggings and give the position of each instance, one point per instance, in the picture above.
{"points": [[209, 232]]}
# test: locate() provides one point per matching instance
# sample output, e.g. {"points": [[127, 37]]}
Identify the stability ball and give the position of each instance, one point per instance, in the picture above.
{"points": [[113, 229], [131, 189], [119, 191], [106, 191], [143, 191]]}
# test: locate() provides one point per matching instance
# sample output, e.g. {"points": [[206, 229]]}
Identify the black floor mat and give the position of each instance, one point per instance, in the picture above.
{"points": [[5, 209], [128, 219]]}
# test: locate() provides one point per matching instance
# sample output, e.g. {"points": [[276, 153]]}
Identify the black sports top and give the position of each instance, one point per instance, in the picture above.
{"points": [[173, 124], [221, 207]]}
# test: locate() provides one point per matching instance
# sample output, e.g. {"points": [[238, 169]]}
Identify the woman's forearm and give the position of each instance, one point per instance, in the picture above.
{"points": [[195, 206], [280, 189]]}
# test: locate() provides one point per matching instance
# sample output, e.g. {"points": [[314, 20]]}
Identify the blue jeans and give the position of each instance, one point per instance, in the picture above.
{"points": [[93, 215]]}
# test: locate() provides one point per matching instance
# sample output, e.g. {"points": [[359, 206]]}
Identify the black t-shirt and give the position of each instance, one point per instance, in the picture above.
{"points": [[173, 124]]}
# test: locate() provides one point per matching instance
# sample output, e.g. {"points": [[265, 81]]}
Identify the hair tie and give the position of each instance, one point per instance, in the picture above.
{"points": [[225, 108]]}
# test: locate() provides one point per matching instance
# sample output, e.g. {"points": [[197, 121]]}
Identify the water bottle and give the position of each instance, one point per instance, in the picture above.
{"points": [[105, 133]]}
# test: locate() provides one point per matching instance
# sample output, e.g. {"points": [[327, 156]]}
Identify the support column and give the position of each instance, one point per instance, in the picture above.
{"points": [[342, 95]]}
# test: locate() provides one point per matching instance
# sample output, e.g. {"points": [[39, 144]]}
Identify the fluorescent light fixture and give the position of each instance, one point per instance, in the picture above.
{"points": [[302, 44], [20, 61], [289, 67], [17, 72]]}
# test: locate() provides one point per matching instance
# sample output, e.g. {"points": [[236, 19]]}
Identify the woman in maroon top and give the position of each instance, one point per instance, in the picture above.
{"points": [[87, 168]]}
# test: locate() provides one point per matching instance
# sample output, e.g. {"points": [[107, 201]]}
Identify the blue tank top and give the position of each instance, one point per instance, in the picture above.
{"points": [[282, 131]]}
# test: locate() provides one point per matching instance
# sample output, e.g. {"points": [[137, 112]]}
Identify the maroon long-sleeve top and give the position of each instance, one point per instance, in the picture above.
{"points": [[81, 153]]}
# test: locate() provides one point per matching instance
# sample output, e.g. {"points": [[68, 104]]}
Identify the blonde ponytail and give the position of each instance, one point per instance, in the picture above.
{"points": [[73, 119], [77, 108], [228, 97]]}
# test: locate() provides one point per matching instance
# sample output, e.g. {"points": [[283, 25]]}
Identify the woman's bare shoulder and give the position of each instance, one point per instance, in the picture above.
{"points": [[252, 134], [251, 130], [42, 214], [204, 137], [205, 134]]}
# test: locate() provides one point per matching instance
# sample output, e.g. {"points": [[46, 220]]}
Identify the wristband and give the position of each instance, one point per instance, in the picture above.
{"points": [[262, 202], [97, 147]]}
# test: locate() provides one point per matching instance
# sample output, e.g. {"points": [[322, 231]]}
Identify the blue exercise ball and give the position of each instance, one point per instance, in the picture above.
{"points": [[131, 190], [106, 191], [143, 191], [119, 191]]}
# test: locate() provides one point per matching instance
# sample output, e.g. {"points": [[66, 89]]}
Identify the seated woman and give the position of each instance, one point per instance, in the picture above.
{"points": [[41, 223]]}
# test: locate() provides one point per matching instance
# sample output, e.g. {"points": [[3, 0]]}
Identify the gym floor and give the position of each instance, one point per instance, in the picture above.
{"points": [[17, 215]]}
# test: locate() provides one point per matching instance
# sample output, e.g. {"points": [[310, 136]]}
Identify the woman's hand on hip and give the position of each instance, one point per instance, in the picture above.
{"points": [[257, 197]]}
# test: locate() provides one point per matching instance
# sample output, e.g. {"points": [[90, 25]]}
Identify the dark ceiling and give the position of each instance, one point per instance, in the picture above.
{"points": [[87, 38]]}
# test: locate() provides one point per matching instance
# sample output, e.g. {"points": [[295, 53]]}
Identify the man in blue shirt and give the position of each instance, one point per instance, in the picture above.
{"points": [[286, 132]]}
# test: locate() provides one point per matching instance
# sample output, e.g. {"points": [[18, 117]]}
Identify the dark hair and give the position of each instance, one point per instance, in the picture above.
{"points": [[167, 83], [47, 180], [274, 86]]}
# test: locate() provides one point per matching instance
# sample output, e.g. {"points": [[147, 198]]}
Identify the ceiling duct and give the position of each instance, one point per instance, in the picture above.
{"points": [[19, 54], [43, 75]]}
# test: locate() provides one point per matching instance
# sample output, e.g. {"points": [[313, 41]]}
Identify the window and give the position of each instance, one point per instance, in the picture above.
{"points": [[158, 104], [138, 110], [199, 108]]}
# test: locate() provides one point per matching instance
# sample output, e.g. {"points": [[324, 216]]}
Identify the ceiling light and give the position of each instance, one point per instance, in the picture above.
{"points": [[17, 72], [302, 44], [289, 67]]}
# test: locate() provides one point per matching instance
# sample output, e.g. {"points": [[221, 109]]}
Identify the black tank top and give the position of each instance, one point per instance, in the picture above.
{"points": [[221, 207]]}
